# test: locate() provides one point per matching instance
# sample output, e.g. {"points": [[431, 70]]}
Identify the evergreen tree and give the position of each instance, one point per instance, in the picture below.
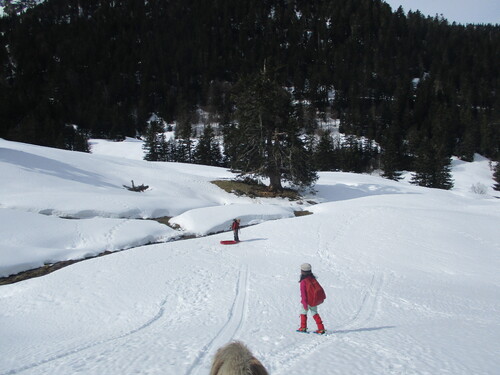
{"points": [[184, 150], [390, 164], [496, 177], [392, 155], [420, 74], [424, 166], [353, 157], [306, 115], [76, 139], [170, 150], [490, 138], [468, 143], [324, 153], [155, 143], [432, 167], [183, 133], [443, 179], [272, 147], [298, 167], [207, 151]]}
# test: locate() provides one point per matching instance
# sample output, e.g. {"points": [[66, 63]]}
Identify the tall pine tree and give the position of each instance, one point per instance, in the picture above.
{"points": [[266, 135], [154, 142], [496, 177], [207, 151], [324, 153], [432, 167]]}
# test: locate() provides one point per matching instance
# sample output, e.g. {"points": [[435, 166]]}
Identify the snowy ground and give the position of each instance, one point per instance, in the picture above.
{"points": [[411, 274]]}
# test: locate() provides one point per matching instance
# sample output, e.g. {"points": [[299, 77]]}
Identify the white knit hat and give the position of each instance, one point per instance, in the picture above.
{"points": [[305, 267]]}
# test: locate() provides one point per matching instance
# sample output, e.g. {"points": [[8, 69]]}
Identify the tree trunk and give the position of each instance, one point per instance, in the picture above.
{"points": [[275, 181]]}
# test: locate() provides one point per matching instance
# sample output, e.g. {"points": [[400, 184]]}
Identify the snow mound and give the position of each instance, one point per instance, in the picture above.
{"points": [[203, 221], [29, 240]]}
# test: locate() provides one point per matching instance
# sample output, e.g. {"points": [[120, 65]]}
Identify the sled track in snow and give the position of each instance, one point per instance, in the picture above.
{"points": [[77, 350], [370, 304], [229, 330]]}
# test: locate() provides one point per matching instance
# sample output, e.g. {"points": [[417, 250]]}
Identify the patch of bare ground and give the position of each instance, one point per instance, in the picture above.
{"points": [[44, 270], [253, 189]]}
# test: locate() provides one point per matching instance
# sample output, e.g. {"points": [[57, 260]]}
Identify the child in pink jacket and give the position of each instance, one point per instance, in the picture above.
{"points": [[305, 277]]}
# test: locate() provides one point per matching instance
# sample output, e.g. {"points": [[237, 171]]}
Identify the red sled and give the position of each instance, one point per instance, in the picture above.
{"points": [[229, 242]]}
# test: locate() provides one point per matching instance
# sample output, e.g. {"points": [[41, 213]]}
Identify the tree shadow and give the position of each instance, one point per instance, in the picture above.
{"points": [[53, 167]]}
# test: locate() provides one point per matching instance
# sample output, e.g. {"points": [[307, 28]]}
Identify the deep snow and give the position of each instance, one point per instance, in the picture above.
{"points": [[411, 274]]}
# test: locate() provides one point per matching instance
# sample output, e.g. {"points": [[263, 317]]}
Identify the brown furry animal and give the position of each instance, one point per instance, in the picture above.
{"points": [[236, 359]]}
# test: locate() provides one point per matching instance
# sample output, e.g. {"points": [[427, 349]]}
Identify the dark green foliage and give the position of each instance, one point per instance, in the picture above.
{"points": [[207, 151], [496, 177], [354, 155], [183, 134], [432, 167], [390, 163], [266, 140], [170, 150], [490, 138], [155, 143], [393, 154], [75, 139], [349, 155], [107, 66], [297, 166], [324, 153]]}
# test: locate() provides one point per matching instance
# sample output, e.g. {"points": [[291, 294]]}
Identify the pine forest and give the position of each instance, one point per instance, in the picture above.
{"points": [[272, 78]]}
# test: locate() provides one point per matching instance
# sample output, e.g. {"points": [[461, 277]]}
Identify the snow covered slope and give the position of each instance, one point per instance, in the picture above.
{"points": [[411, 274], [42, 187]]}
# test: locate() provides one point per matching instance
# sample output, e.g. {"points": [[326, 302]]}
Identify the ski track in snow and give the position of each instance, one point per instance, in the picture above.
{"points": [[228, 330], [370, 292], [80, 349], [371, 297], [368, 309], [287, 358]]}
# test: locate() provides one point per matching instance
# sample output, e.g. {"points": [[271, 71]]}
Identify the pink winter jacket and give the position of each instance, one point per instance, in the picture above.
{"points": [[303, 292]]}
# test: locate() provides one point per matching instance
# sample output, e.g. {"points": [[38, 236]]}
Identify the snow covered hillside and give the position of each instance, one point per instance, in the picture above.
{"points": [[411, 274]]}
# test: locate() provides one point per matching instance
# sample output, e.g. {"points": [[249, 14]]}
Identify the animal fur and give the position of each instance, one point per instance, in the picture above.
{"points": [[236, 359]]}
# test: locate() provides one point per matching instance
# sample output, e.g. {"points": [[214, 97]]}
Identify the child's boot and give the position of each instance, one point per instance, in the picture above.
{"points": [[321, 327], [303, 323]]}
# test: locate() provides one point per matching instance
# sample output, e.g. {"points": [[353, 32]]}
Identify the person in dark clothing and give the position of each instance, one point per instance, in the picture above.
{"points": [[236, 228]]}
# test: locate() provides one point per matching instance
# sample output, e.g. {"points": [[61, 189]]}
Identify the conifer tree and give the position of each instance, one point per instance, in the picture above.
{"points": [[155, 142], [324, 153], [432, 167], [76, 139], [170, 150], [431, 71], [469, 141], [207, 151], [392, 155], [183, 133], [496, 177], [443, 178], [424, 166], [271, 145]]}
